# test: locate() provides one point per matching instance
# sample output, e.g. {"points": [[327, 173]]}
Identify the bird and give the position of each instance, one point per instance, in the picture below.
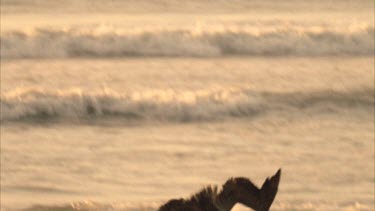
{"points": [[235, 190]]}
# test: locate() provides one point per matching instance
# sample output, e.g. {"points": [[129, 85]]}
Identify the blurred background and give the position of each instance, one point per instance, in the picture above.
{"points": [[123, 105]]}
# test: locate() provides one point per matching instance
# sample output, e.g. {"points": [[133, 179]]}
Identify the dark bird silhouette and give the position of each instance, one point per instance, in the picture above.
{"points": [[235, 190]]}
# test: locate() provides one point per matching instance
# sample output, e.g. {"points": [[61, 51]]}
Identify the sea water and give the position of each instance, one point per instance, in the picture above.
{"points": [[123, 105]]}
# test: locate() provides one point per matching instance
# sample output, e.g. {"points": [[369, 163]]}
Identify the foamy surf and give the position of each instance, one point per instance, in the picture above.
{"points": [[220, 41], [172, 105]]}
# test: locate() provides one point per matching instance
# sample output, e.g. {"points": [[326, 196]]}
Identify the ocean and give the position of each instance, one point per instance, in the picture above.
{"points": [[122, 105]]}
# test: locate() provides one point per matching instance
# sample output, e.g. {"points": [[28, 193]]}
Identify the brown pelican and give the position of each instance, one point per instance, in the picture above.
{"points": [[235, 190]]}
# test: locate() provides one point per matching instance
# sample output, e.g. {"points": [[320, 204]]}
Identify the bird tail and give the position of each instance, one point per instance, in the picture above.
{"points": [[269, 190]]}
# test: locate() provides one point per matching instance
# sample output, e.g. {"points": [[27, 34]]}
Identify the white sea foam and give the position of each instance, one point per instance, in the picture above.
{"points": [[170, 105], [284, 40]]}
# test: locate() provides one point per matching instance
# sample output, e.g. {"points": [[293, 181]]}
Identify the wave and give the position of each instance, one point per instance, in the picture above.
{"points": [[174, 106], [71, 43]]}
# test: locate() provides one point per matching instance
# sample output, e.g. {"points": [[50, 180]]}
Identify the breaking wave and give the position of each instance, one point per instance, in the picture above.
{"points": [[70, 43], [174, 106]]}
